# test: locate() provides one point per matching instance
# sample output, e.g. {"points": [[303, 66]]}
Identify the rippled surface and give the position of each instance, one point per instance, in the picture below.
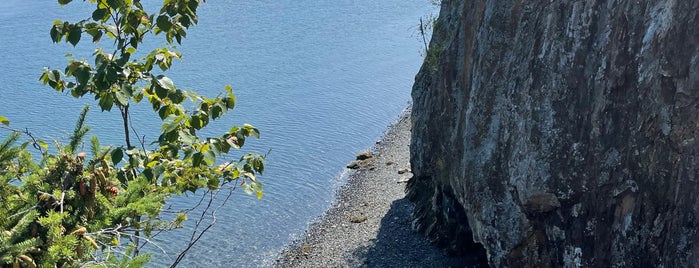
{"points": [[320, 79]]}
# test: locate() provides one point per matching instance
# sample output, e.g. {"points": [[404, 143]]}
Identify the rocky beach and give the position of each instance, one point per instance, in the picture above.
{"points": [[369, 225]]}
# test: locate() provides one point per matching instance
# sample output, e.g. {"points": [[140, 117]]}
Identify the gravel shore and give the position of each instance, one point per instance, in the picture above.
{"points": [[369, 225]]}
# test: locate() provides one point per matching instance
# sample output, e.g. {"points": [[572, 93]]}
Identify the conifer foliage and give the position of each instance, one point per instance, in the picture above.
{"points": [[63, 207]]}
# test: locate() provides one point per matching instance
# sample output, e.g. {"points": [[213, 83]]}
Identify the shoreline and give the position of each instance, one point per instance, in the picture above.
{"points": [[369, 222]]}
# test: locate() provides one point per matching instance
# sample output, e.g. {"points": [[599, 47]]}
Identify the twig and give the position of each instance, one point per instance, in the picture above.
{"points": [[22, 212], [35, 141], [141, 139], [119, 231], [193, 240], [63, 196], [182, 211], [422, 33]]}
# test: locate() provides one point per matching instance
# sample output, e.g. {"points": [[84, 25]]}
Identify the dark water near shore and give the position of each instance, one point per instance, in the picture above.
{"points": [[320, 79]]}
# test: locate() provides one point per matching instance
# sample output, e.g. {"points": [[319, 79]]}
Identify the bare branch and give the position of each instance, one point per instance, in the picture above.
{"points": [[196, 237]]}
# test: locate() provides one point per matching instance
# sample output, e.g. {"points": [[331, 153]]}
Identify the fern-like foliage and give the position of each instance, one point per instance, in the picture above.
{"points": [[7, 151], [79, 131], [16, 239]]}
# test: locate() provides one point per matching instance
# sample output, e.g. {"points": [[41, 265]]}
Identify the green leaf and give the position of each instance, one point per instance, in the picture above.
{"points": [[158, 170], [56, 75], [165, 82], [132, 151], [257, 187], [213, 183], [74, 35], [122, 98], [114, 4], [163, 22], [134, 43], [55, 36], [216, 111], [184, 20], [248, 189], [164, 112], [99, 14], [224, 146], [82, 75], [117, 155], [138, 97], [161, 92], [190, 94], [124, 59], [64, 2], [187, 138], [176, 96], [196, 122], [112, 31], [192, 5], [230, 102], [169, 127], [106, 102], [197, 158], [4, 120], [251, 131], [210, 157], [171, 10], [204, 107], [96, 36], [42, 144], [112, 74]]}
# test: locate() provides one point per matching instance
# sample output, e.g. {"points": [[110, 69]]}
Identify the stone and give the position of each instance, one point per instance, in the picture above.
{"points": [[354, 165], [560, 133], [305, 249], [358, 218], [364, 155], [404, 179], [404, 170]]}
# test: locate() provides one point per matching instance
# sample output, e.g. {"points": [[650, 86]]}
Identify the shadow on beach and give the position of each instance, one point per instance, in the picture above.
{"points": [[397, 245]]}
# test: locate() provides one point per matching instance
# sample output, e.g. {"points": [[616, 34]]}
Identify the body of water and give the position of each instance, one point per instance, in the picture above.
{"points": [[320, 79]]}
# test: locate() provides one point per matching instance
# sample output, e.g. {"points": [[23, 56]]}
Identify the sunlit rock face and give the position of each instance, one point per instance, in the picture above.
{"points": [[560, 133]]}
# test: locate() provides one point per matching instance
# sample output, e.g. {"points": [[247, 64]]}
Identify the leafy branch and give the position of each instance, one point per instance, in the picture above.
{"points": [[70, 205]]}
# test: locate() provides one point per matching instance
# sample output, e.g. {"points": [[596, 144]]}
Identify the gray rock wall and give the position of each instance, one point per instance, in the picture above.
{"points": [[560, 133]]}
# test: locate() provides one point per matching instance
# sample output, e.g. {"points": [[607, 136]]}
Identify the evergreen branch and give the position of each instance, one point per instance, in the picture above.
{"points": [[23, 224], [95, 146], [7, 143], [7, 152], [79, 131], [22, 212], [36, 143]]}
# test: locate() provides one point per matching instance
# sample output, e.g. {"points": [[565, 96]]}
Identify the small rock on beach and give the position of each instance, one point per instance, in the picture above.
{"points": [[365, 155]]}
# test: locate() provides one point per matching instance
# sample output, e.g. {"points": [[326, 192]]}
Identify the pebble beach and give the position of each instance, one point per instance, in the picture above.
{"points": [[369, 224]]}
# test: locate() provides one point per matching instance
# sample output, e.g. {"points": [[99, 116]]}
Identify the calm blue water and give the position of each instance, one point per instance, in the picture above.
{"points": [[320, 79]]}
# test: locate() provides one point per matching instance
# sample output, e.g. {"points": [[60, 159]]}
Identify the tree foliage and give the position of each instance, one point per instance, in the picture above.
{"points": [[71, 208]]}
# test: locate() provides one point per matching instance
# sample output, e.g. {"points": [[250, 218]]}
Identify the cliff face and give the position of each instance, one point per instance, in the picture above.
{"points": [[560, 133]]}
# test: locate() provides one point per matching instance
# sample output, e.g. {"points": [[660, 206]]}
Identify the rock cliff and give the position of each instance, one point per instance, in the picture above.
{"points": [[560, 133]]}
